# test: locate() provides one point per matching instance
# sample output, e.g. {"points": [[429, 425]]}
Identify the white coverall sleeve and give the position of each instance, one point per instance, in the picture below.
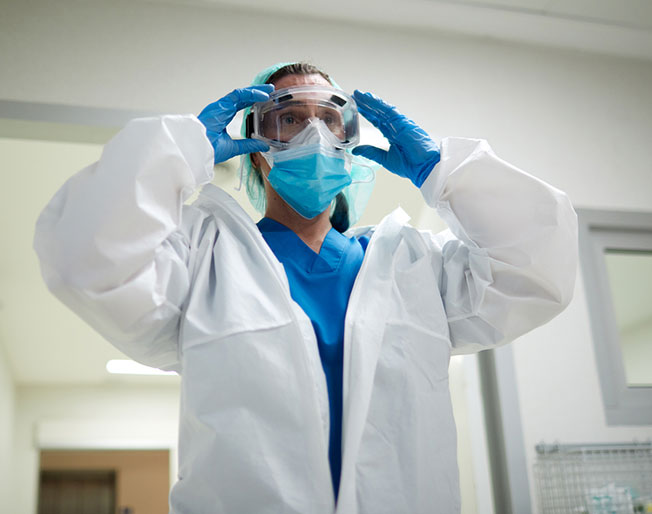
{"points": [[110, 241], [509, 257]]}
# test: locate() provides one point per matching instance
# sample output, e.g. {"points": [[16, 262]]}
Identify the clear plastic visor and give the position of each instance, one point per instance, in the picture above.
{"points": [[289, 111]]}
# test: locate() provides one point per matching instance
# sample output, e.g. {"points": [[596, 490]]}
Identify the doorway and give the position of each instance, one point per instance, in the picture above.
{"points": [[104, 481], [76, 492]]}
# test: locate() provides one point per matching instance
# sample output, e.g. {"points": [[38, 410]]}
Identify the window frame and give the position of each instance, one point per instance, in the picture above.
{"points": [[600, 230]]}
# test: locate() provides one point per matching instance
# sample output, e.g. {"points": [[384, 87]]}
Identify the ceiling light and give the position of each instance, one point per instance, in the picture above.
{"points": [[129, 367]]}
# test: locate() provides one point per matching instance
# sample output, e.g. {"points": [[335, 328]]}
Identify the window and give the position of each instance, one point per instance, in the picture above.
{"points": [[616, 258]]}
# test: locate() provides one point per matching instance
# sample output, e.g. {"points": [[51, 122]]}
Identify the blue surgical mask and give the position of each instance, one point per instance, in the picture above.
{"points": [[309, 177], [309, 174]]}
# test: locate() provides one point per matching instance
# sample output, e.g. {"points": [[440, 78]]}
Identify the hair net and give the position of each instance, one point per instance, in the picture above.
{"points": [[362, 170]]}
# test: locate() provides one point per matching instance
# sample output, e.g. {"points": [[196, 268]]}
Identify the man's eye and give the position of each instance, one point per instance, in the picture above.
{"points": [[288, 119]]}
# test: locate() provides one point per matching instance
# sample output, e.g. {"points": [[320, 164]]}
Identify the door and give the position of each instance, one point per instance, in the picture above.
{"points": [[77, 492]]}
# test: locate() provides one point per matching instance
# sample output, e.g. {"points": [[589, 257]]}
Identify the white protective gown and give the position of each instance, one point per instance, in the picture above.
{"points": [[196, 289]]}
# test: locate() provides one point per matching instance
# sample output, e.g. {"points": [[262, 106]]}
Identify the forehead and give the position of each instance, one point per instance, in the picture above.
{"points": [[301, 80]]}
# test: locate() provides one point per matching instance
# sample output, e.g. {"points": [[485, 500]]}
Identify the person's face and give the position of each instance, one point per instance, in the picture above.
{"points": [[285, 82]]}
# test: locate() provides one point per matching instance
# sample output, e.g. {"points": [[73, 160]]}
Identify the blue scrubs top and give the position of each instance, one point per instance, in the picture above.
{"points": [[321, 284]]}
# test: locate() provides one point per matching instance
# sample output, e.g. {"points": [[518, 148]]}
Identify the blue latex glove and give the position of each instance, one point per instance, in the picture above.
{"points": [[218, 115], [412, 154]]}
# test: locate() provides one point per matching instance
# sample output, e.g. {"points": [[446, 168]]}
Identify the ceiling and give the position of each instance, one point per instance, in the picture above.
{"points": [[70, 352], [622, 27]]}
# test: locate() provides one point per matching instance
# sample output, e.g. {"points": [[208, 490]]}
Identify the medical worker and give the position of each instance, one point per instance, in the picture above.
{"points": [[314, 357]]}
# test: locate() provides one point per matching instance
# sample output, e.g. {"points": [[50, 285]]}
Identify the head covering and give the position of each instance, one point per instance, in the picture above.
{"points": [[362, 170]]}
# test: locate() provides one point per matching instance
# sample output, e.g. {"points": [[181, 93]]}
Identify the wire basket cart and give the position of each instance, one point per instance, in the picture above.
{"points": [[594, 478]]}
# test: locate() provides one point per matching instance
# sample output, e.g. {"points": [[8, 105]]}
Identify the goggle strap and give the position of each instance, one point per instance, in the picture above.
{"points": [[241, 171]]}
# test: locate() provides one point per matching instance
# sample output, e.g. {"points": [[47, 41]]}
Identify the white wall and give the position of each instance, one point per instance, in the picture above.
{"points": [[579, 121], [82, 418], [6, 423]]}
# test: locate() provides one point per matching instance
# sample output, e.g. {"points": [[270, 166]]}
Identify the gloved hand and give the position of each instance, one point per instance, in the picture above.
{"points": [[411, 154], [218, 115]]}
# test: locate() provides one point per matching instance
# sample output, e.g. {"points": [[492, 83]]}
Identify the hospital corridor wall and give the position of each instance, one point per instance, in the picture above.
{"points": [[7, 409], [578, 120]]}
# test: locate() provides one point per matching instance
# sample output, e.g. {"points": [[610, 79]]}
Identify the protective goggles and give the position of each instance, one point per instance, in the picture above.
{"points": [[288, 111]]}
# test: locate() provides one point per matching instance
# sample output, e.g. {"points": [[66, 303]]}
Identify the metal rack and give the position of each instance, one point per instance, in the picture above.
{"points": [[594, 478]]}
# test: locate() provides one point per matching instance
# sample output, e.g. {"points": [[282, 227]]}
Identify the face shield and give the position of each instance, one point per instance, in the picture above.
{"points": [[291, 110]]}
